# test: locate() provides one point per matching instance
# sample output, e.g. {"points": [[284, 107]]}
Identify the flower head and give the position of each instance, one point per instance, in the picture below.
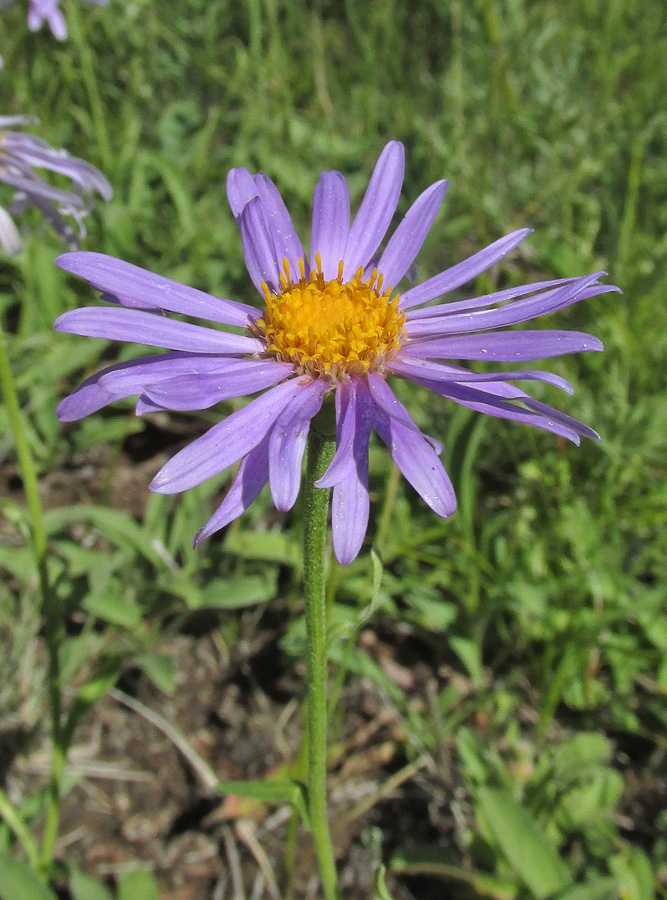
{"points": [[40, 11], [20, 155], [331, 323]]}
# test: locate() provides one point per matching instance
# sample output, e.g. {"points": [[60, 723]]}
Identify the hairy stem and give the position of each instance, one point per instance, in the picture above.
{"points": [[321, 448]]}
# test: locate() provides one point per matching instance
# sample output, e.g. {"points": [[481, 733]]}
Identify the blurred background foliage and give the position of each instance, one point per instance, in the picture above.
{"points": [[540, 606]]}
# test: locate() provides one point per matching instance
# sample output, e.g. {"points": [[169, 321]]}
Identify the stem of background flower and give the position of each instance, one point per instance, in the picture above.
{"points": [[18, 826], [26, 465], [52, 626], [90, 82], [321, 448]]}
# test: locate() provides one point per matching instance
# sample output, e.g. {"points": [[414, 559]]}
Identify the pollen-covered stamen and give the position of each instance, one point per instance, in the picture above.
{"points": [[331, 327]]}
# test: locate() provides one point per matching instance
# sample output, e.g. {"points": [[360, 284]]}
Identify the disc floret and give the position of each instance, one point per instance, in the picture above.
{"points": [[332, 328]]}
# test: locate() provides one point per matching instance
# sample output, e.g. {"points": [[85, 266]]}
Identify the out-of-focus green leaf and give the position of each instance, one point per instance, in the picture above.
{"points": [[429, 610], [18, 882], [531, 855], [115, 526], [237, 593], [84, 887], [160, 669], [634, 872], [595, 889], [476, 767], [592, 797], [116, 610], [432, 861], [138, 884], [270, 792], [93, 690], [77, 651], [19, 562], [468, 652], [268, 546]]}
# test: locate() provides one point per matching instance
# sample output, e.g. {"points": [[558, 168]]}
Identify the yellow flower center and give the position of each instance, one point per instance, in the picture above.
{"points": [[329, 327]]}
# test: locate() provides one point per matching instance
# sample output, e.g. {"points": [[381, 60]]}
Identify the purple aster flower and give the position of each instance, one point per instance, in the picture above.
{"points": [[20, 155], [331, 323], [40, 11]]}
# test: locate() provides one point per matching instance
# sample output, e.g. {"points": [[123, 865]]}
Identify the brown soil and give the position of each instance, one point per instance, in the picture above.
{"points": [[136, 799]]}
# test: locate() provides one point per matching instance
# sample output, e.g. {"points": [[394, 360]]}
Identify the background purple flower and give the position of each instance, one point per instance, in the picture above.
{"points": [[331, 323], [40, 11], [20, 155]]}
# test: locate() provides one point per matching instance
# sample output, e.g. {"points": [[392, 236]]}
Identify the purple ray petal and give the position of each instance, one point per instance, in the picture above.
{"points": [[377, 208], [153, 330], [485, 391], [124, 280], [350, 502], [353, 428], [134, 302], [486, 401], [241, 188], [350, 506], [125, 379], [91, 395], [512, 313], [258, 248], [285, 238], [288, 442], [505, 389], [13, 121], [418, 462], [33, 185], [385, 399], [187, 392], [372, 263], [35, 152], [558, 416], [462, 272], [252, 475], [57, 25], [10, 239], [331, 222], [407, 240], [424, 369], [224, 443], [501, 346], [39, 12], [455, 306], [88, 398], [343, 460], [145, 405], [55, 217]]}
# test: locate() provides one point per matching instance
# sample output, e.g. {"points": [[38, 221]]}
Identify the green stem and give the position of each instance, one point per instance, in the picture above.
{"points": [[26, 464], [18, 826], [321, 448], [52, 624], [58, 759]]}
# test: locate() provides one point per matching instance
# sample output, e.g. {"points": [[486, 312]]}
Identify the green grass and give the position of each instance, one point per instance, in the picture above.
{"points": [[545, 592]]}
